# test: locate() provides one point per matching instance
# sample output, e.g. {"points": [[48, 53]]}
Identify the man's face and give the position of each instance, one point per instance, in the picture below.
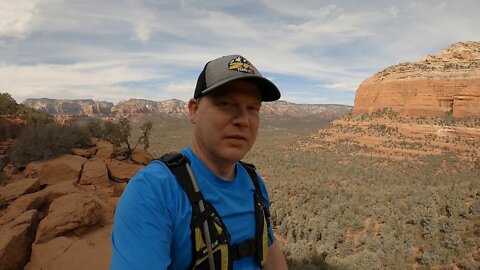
{"points": [[226, 122]]}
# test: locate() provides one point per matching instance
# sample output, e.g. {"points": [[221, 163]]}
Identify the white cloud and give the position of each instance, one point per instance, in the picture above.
{"points": [[86, 78], [341, 86], [301, 98], [177, 90], [16, 17], [87, 47], [393, 11]]}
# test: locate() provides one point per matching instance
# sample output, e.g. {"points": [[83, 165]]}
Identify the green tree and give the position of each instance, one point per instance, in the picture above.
{"points": [[7, 104], [145, 137], [119, 134]]}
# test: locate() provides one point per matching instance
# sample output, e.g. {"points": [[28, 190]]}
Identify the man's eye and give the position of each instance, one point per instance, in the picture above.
{"points": [[253, 108], [226, 104]]}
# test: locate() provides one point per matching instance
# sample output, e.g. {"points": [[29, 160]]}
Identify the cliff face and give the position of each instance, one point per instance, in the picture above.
{"points": [[447, 82], [65, 108], [70, 107]]}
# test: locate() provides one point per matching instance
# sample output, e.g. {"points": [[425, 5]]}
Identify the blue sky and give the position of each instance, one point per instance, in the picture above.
{"points": [[315, 51]]}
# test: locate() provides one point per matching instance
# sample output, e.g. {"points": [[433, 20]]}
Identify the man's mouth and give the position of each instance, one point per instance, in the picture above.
{"points": [[237, 137]]}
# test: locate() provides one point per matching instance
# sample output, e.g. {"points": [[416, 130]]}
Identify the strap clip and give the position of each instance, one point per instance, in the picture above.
{"points": [[174, 159], [244, 249]]}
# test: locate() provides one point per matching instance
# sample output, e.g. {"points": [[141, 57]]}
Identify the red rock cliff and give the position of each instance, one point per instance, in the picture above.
{"points": [[447, 82]]}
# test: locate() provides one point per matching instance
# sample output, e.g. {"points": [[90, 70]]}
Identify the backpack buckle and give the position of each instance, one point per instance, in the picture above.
{"points": [[174, 159]]}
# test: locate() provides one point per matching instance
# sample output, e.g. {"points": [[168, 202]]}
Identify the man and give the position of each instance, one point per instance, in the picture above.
{"points": [[154, 225]]}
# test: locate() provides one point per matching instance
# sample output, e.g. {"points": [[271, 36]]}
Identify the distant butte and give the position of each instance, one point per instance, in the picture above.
{"points": [[445, 83]]}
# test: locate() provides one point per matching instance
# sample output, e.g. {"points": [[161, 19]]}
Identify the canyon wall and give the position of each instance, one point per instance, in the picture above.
{"points": [[445, 83]]}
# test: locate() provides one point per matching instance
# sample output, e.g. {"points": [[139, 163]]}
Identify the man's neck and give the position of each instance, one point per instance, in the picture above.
{"points": [[223, 169]]}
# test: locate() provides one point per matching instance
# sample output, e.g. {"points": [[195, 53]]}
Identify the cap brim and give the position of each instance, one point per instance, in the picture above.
{"points": [[268, 90]]}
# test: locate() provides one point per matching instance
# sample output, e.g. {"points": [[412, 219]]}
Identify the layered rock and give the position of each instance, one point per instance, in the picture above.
{"points": [[445, 83], [287, 109], [70, 107], [63, 211], [64, 168], [16, 239], [65, 109]]}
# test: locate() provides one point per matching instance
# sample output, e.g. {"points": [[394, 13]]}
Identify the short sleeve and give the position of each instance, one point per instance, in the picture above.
{"points": [[143, 228]]}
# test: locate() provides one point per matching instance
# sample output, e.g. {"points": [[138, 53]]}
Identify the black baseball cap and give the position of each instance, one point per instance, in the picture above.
{"points": [[230, 68]]}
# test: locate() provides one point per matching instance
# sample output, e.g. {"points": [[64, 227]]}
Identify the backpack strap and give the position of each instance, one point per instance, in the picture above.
{"points": [[209, 242], [177, 163], [250, 168], [262, 217]]}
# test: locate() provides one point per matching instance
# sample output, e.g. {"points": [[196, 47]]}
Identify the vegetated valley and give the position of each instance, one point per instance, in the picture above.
{"points": [[340, 204]]}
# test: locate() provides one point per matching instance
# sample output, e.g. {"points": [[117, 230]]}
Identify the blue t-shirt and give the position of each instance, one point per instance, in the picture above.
{"points": [[152, 220]]}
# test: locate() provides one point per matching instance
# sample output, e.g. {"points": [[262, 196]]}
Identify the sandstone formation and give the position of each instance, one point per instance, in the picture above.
{"points": [[66, 109], [17, 189], [16, 239], [58, 213], [445, 83], [64, 168], [172, 107], [72, 212], [70, 107]]}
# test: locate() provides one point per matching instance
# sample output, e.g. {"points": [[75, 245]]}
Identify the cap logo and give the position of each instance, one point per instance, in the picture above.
{"points": [[240, 64]]}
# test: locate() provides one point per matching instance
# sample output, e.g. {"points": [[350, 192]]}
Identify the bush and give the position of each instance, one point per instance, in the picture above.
{"points": [[8, 129], [7, 104], [43, 140], [119, 133]]}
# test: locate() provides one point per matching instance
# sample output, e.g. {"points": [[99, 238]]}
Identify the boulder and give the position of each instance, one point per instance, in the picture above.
{"points": [[105, 150], [37, 200], [95, 173], [16, 189], [27, 202], [16, 240], [63, 168], [58, 190], [86, 153], [141, 156], [121, 171], [70, 213], [118, 189], [90, 251]]}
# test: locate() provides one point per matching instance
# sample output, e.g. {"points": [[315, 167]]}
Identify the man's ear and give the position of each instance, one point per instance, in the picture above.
{"points": [[192, 109]]}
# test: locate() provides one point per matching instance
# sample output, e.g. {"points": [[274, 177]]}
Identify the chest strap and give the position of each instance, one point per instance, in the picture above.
{"points": [[224, 252]]}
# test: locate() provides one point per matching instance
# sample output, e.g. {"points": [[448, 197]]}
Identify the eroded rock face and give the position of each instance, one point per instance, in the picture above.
{"points": [[66, 211], [447, 82], [70, 213], [70, 107], [16, 239], [15, 190], [64, 168], [121, 171], [95, 173], [90, 251]]}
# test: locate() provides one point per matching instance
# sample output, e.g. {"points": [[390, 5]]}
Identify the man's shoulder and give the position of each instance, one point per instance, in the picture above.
{"points": [[155, 174]]}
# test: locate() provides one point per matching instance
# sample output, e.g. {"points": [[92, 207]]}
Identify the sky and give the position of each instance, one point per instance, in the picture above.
{"points": [[316, 52]]}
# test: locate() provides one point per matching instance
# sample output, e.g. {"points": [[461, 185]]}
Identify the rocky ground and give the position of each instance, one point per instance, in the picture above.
{"points": [[388, 135], [58, 214]]}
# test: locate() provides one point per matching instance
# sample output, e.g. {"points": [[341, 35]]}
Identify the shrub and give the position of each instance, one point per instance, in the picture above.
{"points": [[43, 140], [119, 133], [7, 104], [8, 129]]}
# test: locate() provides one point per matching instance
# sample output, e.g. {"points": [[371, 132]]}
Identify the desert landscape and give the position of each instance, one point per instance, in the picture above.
{"points": [[392, 183]]}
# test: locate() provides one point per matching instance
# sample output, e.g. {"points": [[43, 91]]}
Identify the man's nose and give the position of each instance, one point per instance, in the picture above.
{"points": [[241, 117]]}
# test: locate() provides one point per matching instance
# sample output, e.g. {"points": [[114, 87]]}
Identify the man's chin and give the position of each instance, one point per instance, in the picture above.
{"points": [[235, 155]]}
